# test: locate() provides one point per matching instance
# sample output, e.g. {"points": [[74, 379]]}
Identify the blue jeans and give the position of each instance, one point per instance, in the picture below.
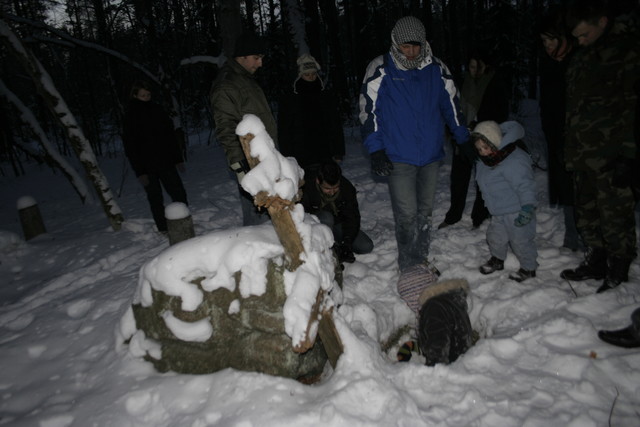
{"points": [[412, 190]]}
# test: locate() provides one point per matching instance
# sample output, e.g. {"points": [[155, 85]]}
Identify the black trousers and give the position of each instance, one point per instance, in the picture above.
{"points": [[172, 183], [461, 169]]}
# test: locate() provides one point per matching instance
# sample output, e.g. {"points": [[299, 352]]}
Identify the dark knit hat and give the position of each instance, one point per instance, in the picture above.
{"points": [[249, 44]]}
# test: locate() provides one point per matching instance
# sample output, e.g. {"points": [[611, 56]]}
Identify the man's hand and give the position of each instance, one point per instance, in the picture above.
{"points": [[380, 163], [240, 168], [345, 253]]}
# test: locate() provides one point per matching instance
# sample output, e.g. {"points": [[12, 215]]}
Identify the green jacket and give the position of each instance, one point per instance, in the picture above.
{"points": [[601, 99], [234, 93]]}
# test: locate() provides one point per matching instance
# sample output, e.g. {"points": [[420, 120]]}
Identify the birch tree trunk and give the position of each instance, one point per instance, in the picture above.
{"points": [[56, 159], [58, 106]]}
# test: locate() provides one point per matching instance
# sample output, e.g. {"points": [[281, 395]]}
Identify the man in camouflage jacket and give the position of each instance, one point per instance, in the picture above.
{"points": [[600, 147]]}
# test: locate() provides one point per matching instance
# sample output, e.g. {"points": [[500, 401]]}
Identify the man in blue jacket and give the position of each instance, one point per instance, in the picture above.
{"points": [[407, 97]]}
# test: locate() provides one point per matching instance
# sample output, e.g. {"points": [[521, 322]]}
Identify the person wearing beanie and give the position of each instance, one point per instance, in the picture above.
{"points": [[443, 327], [234, 93], [504, 173], [309, 124], [407, 97]]}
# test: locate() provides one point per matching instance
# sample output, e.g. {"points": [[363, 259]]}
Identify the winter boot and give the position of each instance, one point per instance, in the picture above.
{"points": [[617, 272], [522, 275], [627, 337], [494, 264], [594, 266]]}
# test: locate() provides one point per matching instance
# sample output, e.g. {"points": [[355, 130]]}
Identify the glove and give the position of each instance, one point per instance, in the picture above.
{"points": [[622, 168], [345, 253], [380, 163], [525, 216], [240, 168]]}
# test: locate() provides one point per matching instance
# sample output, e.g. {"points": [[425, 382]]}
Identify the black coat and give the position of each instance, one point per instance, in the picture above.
{"points": [[309, 125], [149, 138], [346, 211], [495, 101], [552, 116]]}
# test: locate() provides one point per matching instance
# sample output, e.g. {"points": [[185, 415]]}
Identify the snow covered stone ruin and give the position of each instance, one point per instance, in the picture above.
{"points": [[251, 298]]}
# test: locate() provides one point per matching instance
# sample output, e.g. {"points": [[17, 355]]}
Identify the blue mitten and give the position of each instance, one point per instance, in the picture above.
{"points": [[525, 216]]}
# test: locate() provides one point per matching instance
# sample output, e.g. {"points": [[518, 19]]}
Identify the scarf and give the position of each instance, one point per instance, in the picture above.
{"points": [[498, 156]]}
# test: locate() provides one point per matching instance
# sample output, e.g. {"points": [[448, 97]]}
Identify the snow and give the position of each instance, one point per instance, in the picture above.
{"points": [[66, 297]]}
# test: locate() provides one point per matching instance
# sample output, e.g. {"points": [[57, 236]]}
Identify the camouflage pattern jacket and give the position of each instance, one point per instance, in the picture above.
{"points": [[601, 99]]}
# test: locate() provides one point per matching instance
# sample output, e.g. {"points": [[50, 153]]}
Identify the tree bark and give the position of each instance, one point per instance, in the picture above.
{"points": [[57, 105]]}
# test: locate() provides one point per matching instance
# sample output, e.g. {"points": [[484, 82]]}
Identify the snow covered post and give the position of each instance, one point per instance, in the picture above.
{"points": [[179, 222], [278, 209], [30, 217], [321, 317]]}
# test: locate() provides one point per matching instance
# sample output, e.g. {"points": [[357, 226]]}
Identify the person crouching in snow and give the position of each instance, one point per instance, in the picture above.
{"points": [[443, 326], [505, 176]]}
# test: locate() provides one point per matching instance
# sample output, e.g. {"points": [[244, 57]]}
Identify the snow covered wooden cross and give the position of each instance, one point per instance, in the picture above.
{"points": [[279, 211]]}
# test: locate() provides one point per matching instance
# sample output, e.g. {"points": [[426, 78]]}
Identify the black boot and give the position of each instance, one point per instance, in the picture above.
{"points": [[617, 272], [626, 337], [594, 266], [494, 264]]}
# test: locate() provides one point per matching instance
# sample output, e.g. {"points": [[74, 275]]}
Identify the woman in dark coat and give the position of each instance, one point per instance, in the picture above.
{"points": [[484, 96], [558, 46], [309, 125], [152, 148]]}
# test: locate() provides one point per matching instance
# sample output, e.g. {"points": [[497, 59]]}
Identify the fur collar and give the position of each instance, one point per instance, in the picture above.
{"points": [[442, 287]]}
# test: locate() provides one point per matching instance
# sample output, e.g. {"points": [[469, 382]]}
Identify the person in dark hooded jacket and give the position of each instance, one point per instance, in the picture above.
{"points": [[443, 327], [153, 151], [309, 125]]}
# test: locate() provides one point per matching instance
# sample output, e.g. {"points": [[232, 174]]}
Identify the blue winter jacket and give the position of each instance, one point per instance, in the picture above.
{"points": [[404, 111], [509, 185]]}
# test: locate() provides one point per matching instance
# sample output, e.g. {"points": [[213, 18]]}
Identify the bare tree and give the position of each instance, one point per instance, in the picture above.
{"points": [[58, 106]]}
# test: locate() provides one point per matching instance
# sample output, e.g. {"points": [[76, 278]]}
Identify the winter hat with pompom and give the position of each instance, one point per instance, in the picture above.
{"points": [[307, 64]]}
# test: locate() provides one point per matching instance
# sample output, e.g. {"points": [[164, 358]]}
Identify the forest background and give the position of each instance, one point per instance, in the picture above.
{"points": [[66, 66]]}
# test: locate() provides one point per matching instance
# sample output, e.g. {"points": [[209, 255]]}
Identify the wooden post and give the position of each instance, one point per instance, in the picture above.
{"points": [[179, 222], [30, 217], [279, 211]]}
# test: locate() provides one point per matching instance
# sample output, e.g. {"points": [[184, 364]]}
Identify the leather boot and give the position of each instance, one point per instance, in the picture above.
{"points": [[594, 266], [617, 272], [494, 264], [627, 337]]}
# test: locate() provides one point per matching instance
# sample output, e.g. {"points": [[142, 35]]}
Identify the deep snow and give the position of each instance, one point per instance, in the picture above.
{"points": [[538, 361]]}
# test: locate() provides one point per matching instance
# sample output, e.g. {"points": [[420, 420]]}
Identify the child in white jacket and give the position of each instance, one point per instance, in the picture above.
{"points": [[505, 176]]}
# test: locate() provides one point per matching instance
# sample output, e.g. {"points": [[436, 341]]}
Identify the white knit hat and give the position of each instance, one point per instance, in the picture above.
{"points": [[490, 132], [307, 64]]}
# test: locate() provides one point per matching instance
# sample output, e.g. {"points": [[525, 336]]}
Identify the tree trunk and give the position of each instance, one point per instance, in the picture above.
{"points": [[54, 157], [57, 105]]}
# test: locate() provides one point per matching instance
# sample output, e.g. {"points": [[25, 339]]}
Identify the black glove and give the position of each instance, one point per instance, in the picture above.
{"points": [[380, 163], [240, 168], [622, 168], [345, 253]]}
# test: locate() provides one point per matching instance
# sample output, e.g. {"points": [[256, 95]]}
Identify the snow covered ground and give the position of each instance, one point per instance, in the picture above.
{"points": [[538, 361]]}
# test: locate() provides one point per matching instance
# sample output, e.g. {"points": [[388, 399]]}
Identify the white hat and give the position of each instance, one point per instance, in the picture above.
{"points": [[490, 132], [307, 64]]}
